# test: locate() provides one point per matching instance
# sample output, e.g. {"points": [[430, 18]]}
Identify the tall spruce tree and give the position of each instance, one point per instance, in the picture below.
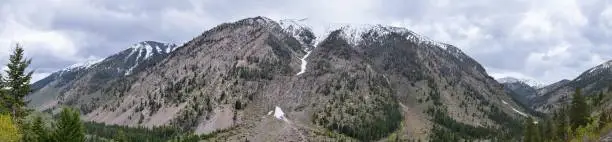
{"points": [[17, 84], [579, 113], [40, 130], [69, 127]]}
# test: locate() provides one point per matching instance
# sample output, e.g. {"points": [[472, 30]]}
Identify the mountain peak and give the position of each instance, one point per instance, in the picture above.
{"points": [[152, 47], [354, 33], [259, 20], [300, 31], [604, 66], [511, 80], [508, 80]]}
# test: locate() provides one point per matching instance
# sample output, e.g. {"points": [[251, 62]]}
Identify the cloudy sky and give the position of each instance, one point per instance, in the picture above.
{"points": [[543, 40]]}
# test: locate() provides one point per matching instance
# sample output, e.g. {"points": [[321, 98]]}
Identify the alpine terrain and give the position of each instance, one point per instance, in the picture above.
{"points": [[258, 79]]}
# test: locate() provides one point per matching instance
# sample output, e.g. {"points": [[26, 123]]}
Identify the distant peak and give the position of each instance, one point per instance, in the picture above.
{"points": [[259, 20], [529, 82], [508, 80]]}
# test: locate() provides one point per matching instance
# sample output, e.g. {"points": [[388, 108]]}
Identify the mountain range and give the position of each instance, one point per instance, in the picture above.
{"points": [[548, 98], [265, 80]]}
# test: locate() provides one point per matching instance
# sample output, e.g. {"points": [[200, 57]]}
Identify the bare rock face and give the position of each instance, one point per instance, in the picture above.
{"points": [[363, 82]]}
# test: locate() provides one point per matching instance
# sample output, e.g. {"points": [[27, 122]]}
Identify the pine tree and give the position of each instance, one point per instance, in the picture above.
{"points": [[561, 120], [69, 127], [579, 113], [549, 131], [17, 84], [40, 131], [528, 136]]}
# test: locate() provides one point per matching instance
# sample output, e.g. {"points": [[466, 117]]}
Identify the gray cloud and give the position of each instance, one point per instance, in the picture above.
{"points": [[544, 40]]}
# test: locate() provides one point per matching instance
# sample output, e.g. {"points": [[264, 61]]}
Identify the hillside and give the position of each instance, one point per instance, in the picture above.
{"points": [[364, 82]]}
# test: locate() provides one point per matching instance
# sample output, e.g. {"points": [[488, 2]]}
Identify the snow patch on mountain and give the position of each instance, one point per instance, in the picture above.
{"points": [[304, 62], [83, 65], [149, 49], [514, 109], [278, 113]]}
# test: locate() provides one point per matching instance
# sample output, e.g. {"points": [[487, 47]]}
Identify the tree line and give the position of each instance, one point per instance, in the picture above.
{"points": [[572, 122], [20, 123]]}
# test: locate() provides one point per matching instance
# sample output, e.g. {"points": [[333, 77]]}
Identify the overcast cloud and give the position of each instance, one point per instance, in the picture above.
{"points": [[543, 40]]}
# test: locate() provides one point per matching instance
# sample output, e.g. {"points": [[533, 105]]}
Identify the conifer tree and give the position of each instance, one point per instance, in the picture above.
{"points": [[550, 131], [69, 127], [562, 123], [17, 84], [579, 113], [532, 131], [40, 131]]}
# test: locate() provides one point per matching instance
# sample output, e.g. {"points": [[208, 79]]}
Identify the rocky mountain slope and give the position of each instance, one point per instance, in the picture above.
{"points": [[519, 90], [93, 74], [595, 80], [262, 80]]}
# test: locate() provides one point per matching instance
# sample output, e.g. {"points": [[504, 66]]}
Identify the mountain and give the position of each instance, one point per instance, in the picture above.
{"points": [[519, 90], [262, 80], [93, 74], [595, 80]]}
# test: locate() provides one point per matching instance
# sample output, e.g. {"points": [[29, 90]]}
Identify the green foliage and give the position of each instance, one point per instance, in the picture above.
{"points": [[571, 123], [121, 137], [440, 134], [448, 128], [40, 131], [532, 132], [138, 134], [18, 83], [365, 117], [9, 132], [69, 127], [579, 112], [155, 134]]}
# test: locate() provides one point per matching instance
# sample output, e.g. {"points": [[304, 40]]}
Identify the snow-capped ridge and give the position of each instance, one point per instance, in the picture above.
{"points": [[510, 80], [354, 34], [299, 30], [83, 65], [604, 66], [148, 49]]}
